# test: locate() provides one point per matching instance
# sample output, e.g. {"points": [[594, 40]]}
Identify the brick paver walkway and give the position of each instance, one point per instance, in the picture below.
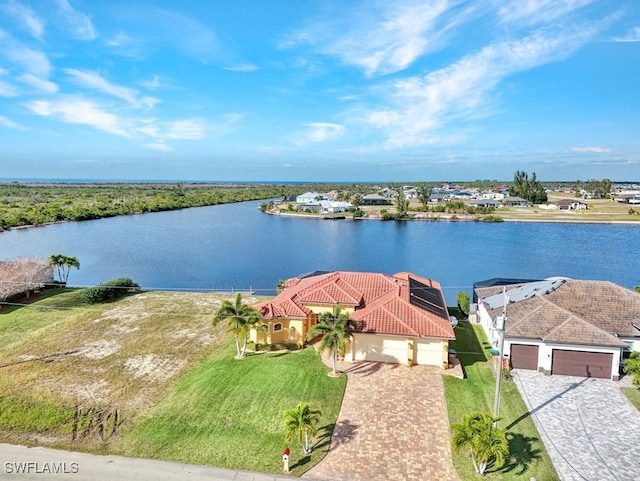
{"points": [[392, 425]]}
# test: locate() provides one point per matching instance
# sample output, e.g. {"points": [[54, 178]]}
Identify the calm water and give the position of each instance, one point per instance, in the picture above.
{"points": [[236, 246]]}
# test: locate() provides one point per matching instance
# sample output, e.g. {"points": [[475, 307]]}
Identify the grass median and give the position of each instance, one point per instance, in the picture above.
{"points": [[528, 457]]}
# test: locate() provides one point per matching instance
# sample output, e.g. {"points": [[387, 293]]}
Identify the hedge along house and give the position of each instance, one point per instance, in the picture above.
{"points": [[401, 318], [564, 326]]}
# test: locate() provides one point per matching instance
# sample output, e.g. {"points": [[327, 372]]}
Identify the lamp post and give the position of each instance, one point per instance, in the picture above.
{"points": [[500, 324]]}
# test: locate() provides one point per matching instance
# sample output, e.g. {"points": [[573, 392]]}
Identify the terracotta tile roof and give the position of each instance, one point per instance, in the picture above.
{"points": [[402, 304], [578, 312]]}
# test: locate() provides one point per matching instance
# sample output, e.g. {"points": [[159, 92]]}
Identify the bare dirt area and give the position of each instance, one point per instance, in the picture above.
{"points": [[118, 358]]}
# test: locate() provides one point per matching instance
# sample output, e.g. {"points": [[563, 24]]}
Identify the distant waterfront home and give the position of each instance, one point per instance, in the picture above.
{"points": [[515, 202], [400, 318], [570, 204], [483, 203], [374, 199], [309, 197], [564, 326]]}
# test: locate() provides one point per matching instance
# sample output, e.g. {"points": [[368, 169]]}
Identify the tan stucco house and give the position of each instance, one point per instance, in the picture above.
{"points": [[400, 318]]}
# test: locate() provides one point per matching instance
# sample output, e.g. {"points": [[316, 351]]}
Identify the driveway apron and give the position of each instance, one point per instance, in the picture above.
{"points": [[392, 425], [590, 429]]}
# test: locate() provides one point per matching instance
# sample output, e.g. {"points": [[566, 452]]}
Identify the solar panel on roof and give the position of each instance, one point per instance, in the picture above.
{"points": [[427, 298]]}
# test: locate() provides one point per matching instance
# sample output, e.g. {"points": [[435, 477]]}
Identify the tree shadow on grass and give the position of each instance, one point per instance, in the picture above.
{"points": [[521, 454]]}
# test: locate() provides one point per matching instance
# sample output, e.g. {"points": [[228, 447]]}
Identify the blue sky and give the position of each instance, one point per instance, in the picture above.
{"points": [[320, 90]]}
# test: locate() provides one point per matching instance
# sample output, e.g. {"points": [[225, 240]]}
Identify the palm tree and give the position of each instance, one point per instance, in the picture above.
{"points": [[478, 431], [333, 329], [240, 317], [299, 423], [63, 265]]}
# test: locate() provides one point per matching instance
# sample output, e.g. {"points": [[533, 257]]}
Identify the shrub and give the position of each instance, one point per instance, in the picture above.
{"points": [[493, 218], [463, 302], [109, 290], [358, 213]]}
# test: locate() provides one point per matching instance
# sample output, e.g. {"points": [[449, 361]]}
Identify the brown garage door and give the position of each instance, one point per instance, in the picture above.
{"points": [[524, 356], [582, 363]]}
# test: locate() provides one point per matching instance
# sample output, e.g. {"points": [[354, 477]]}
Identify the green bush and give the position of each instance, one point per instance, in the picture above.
{"points": [[463, 302], [493, 218], [109, 290], [278, 346]]}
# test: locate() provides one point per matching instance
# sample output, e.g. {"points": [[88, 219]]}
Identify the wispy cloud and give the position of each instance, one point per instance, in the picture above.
{"points": [[465, 90], [10, 124], [40, 84], [75, 22], [319, 132], [25, 17], [632, 35], [159, 146], [386, 40], [77, 110], [32, 61], [93, 80], [533, 12], [187, 129], [591, 150], [242, 68]]}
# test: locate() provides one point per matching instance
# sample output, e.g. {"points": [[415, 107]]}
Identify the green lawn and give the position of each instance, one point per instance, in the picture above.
{"points": [[633, 394], [229, 412], [476, 392]]}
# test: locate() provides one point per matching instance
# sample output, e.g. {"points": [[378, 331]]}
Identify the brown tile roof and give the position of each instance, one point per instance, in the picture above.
{"points": [[578, 312], [402, 304]]}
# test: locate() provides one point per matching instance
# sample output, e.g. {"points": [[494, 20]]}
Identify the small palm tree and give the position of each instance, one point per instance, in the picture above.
{"points": [[299, 423], [479, 433], [333, 329], [240, 317], [63, 265]]}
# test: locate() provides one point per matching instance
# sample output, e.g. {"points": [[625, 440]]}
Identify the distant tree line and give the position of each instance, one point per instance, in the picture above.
{"points": [[594, 187]]}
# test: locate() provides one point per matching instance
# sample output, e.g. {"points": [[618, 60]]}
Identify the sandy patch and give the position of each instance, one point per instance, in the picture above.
{"points": [[95, 392], [153, 367], [98, 349]]}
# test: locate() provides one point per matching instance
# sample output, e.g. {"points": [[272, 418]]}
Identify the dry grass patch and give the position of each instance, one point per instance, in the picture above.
{"points": [[76, 359]]}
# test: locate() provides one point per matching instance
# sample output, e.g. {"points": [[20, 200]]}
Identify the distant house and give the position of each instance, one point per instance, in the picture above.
{"points": [[483, 203], [563, 326], [309, 197], [374, 199], [515, 202], [400, 318], [570, 204], [334, 206]]}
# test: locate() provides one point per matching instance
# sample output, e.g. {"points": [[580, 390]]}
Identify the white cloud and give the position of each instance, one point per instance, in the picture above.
{"points": [[93, 80], [418, 106], [7, 89], [77, 23], [382, 42], [158, 146], [77, 110], [187, 129], [242, 68], [10, 124], [632, 35], [43, 85], [319, 132], [26, 17], [32, 61], [533, 12], [591, 150]]}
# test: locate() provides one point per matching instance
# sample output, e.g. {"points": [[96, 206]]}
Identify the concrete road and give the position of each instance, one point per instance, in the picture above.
{"points": [[44, 464]]}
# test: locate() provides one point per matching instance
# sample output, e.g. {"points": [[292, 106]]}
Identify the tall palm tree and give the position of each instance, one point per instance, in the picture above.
{"points": [[63, 265], [479, 433], [333, 329], [299, 423], [240, 317]]}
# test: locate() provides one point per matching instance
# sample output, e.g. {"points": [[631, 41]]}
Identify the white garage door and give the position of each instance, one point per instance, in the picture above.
{"points": [[370, 347], [429, 353]]}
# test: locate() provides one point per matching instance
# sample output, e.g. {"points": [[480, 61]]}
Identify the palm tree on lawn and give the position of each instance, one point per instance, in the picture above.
{"points": [[487, 443], [63, 265], [333, 329], [240, 317], [299, 423]]}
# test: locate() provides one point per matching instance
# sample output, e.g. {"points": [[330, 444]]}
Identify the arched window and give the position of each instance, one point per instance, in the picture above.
{"points": [[292, 332], [277, 327]]}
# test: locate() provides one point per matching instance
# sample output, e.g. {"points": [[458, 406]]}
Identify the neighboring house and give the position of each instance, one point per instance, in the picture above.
{"points": [[374, 199], [401, 318], [332, 207], [564, 326], [485, 203], [515, 202], [309, 197], [570, 204]]}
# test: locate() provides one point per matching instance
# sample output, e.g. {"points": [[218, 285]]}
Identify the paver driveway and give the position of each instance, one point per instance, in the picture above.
{"points": [[590, 429], [392, 426]]}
